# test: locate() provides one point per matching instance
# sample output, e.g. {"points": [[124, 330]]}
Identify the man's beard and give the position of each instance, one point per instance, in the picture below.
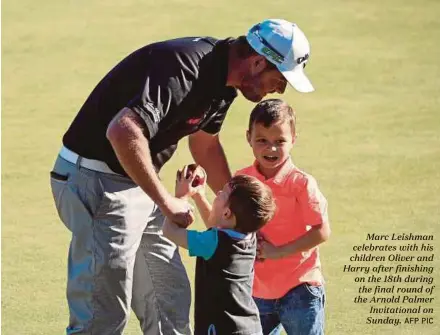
{"points": [[251, 96], [250, 91]]}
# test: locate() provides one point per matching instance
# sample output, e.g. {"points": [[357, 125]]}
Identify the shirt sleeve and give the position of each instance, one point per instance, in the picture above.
{"points": [[167, 82], [202, 244], [312, 204]]}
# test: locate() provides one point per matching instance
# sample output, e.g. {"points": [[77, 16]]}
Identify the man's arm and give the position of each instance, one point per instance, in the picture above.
{"points": [[126, 135], [207, 151]]}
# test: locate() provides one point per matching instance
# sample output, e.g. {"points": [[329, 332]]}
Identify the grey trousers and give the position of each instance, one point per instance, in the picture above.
{"points": [[118, 257]]}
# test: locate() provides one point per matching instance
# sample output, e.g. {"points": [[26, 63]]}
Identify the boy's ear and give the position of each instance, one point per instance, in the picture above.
{"points": [[248, 137], [227, 213], [293, 139]]}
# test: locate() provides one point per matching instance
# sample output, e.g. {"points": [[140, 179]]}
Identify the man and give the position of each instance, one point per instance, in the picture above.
{"points": [[105, 181]]}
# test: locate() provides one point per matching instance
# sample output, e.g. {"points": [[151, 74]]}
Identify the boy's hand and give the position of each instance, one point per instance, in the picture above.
{"points": [[190, 181], [266, 250]]}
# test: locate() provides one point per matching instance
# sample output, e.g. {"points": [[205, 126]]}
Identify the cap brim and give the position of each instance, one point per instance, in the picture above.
{"points": [[297, 78]]}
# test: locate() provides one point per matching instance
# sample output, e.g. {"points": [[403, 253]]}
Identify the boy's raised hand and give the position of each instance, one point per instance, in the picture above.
{"points": [[190, 180]]}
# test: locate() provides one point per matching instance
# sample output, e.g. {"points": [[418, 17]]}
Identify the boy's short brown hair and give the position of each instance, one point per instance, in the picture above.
{"points": [[251, 202], [271, 111]]}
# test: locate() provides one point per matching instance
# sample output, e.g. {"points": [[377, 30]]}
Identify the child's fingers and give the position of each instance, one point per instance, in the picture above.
{"points": [[178, 175], [260, 256], [191, 178], [185, 172], [260, 236], [202, 170], [199, 188]]}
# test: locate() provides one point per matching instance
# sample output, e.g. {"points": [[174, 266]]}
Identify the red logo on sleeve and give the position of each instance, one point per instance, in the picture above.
{"points": [[194, 121]]}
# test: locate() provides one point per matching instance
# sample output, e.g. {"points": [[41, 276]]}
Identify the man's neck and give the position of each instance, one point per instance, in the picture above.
{"points": [[234, 73]]}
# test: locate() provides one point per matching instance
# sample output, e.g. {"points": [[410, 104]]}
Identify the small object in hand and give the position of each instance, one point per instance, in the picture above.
{"points": [[200, 176]]}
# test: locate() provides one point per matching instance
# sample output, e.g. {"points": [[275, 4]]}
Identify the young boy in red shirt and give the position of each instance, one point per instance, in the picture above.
{"points": [[288, 285]]}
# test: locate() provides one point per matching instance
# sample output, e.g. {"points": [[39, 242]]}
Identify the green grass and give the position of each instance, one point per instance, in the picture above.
{"points": [[369, 134]]}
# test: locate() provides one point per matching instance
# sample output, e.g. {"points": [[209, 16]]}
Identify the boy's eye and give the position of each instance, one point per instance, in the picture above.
{"points": [[261, 140], [281, 141]]}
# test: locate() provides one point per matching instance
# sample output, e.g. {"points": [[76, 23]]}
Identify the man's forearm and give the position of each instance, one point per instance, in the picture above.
{"points": [[216, 167], [208, 152], [204, 208], [132, 150]]}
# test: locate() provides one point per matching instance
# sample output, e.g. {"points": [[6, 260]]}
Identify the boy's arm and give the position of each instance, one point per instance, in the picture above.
{"points": [[200, 244], [204, 207], [175, 233], [313, 207], [315, 236]]}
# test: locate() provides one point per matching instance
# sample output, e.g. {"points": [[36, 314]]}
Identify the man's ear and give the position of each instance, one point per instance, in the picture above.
{"points": [[259, 63]]}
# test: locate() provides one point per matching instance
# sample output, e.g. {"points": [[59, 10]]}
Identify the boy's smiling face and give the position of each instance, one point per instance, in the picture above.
{"points": [[271, 146]]}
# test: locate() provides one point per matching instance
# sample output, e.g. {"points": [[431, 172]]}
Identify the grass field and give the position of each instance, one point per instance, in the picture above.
{"points": [[370, 134]]}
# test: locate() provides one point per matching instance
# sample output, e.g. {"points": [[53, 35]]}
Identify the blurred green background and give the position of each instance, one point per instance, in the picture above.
{"points": [[370, 134]]}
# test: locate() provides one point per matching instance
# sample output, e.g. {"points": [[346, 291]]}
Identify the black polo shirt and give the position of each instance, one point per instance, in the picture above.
{"points": [[177, 87]]}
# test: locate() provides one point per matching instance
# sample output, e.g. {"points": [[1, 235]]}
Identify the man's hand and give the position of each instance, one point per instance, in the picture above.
{"points": [[178, 211]]}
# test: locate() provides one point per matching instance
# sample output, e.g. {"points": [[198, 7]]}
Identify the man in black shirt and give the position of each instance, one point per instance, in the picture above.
{"points": [[105, 181]]}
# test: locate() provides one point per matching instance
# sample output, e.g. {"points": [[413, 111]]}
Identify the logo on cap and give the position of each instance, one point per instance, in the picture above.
{"points": [[272, 54], [302, 59]]}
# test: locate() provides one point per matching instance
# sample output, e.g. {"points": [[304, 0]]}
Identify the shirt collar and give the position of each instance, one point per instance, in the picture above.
{"points": [[281, 176], [219, 66], [235, 234]]}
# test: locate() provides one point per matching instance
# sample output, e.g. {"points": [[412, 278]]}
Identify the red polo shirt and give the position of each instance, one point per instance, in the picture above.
{"points": [[300, 205]]}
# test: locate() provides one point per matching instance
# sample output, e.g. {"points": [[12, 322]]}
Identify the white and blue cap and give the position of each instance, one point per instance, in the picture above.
{"points": [[286, 46]]}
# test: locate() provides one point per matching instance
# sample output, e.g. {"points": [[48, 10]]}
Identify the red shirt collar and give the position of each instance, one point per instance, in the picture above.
{"points": [[281, 176]]}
